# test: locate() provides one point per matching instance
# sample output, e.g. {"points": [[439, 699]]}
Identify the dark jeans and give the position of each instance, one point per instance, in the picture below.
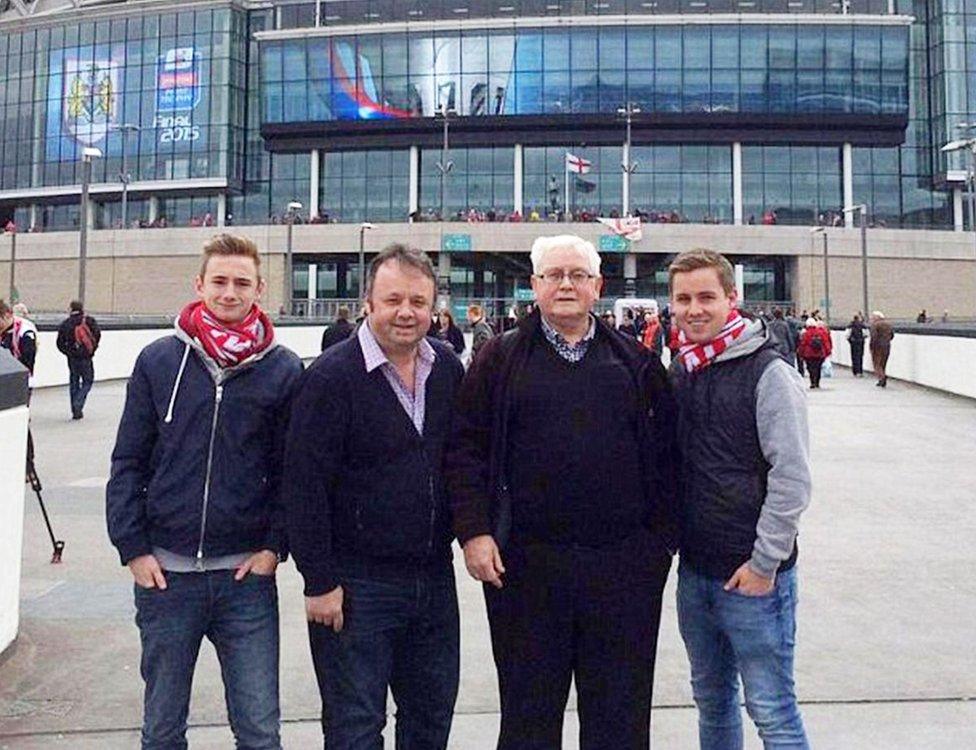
{"points": [[240, 618], [799, 365], [729, 635], [857, 357], [592, 614], [815, 366], [81, 375], [401, 634]]}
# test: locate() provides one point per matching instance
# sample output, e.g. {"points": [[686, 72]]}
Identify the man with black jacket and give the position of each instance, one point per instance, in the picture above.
{"points": [[745, 481], [78, 337], [368, 520], [567, 525], [193, 502], [338, 331]]}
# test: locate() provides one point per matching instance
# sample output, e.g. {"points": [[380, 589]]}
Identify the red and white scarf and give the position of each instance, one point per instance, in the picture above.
{"points": [[698, 356], [227, 345]]}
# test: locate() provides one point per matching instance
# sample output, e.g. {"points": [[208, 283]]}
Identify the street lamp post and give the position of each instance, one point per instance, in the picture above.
{"points": [[293, 208], [864, 252], [13, 266], [124, 176], [88, 153], [627, 165], [969, 144], [826, 271], [362, 257], [445, 165]]}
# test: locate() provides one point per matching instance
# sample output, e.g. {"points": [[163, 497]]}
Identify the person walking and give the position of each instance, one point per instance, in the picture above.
{"points": [[19, 336], [783, 335], [744, 482], [880, 336], [78, 339], [481, 332], [338, 331], [856, 333], [815, 347], [652, 335], [565, 523], [193, 502], [368, 520]]}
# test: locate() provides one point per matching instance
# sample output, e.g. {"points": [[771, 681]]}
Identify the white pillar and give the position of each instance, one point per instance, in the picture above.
{"points": [[630, 275], [517, 199], [848, 173], [33, 215], [221, 209], [313, 278], [958, 217], [153, 208], [737, 183], [313, 183], [444, 279], [413, 202]]}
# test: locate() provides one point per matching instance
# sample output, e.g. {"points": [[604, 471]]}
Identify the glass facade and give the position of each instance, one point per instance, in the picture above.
{"points": [[360, 186], [203, 90], [302, 13], [173, 76], [775, 69]]}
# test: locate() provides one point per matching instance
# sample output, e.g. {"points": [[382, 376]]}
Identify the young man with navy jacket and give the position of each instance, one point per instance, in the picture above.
{"points": [[368, 520], [744, 482], [193, 501]]}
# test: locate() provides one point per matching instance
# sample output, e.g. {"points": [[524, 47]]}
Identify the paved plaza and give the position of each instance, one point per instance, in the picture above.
{"points": [[887, 615]]}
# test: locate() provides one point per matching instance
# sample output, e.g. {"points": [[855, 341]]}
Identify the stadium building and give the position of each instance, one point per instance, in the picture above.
{"points": [[468, 127]]}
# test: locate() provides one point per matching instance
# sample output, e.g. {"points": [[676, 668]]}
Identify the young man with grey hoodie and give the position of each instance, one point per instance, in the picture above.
{"points": [[745, 480], [193, 501]]}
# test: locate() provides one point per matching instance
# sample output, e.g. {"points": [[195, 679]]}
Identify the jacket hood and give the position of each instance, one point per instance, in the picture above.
{"points": [[217, 372]]}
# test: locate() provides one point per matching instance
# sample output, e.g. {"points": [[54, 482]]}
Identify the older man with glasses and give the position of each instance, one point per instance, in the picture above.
{"points": [[559, 474]]}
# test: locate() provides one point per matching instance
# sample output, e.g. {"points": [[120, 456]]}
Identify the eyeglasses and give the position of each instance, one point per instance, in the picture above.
{"points": [[555, 276]]}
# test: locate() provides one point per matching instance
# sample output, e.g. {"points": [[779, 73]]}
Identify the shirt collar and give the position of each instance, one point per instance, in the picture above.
{"points": [[554, 336], [374, 355]]}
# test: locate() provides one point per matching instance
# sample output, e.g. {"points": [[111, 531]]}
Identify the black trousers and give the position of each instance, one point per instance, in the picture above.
{"points": [[815, 366], [573, 612], [857, 357]]}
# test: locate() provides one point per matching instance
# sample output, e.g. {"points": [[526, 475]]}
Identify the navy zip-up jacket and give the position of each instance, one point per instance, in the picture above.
{"points": [[186, 421], [363, 489]]}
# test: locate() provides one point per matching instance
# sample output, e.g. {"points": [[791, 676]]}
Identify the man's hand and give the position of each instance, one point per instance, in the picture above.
{"points": [[145, 569], [263, 563], [483, 560], [748, 582], [326, 608]]}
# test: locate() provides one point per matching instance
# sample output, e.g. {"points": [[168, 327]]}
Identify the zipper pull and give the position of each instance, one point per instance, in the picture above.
{"points": [[220, 393], [199, 564]]}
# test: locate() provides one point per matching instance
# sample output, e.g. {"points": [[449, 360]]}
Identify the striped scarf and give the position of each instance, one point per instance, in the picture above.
{"points": [[227, 344], [698, 356]]}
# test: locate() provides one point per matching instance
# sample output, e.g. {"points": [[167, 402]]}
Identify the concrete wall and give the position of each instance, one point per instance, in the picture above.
{"points": [[13, 457], [947, 363], [150, 271]]}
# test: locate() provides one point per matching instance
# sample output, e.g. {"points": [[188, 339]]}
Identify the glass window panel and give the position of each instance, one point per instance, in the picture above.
{"points": [[810, 47], [613, 48], [839, 48], [782, 48], [667, 46], [556, 50], [725, 47], [697, 52], [584, 54], [640, 47]]}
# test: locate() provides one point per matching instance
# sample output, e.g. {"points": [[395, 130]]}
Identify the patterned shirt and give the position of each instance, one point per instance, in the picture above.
{"points": [[413, 402], [569, 352]]}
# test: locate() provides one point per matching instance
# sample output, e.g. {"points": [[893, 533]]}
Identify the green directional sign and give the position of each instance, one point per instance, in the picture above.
{"points": [[524, 295], [612, 243], [456, 243]]}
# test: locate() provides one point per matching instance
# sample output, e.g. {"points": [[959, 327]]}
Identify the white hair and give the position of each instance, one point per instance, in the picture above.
{"points": [[543, 245]]}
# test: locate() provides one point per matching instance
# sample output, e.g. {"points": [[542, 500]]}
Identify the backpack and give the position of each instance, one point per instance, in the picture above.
{"points": [[816, 344], [84, 338]]}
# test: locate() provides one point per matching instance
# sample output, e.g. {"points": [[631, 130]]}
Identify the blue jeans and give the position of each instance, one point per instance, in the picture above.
{"points": [[81, 375], [399, 633], [240, 618], [728, 635]]}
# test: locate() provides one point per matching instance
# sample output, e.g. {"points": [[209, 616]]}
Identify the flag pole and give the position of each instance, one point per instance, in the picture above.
{"points": [[566, 216]]}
